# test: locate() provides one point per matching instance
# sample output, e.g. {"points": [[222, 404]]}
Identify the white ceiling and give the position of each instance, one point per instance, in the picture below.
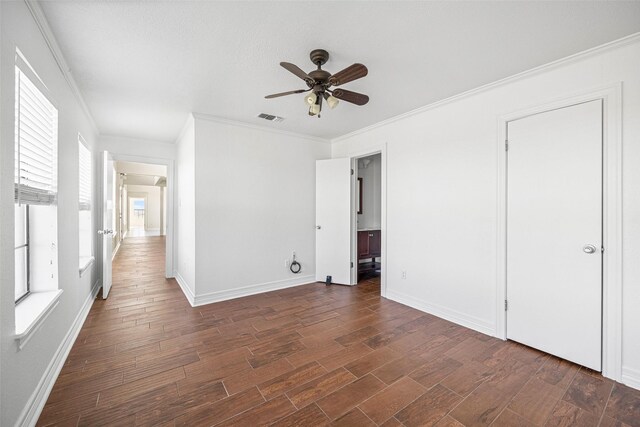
{"points": [[142, 66]]}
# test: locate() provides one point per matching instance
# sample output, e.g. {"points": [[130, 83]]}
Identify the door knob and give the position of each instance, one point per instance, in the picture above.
{"points": [[318, 227], [589, 249]]}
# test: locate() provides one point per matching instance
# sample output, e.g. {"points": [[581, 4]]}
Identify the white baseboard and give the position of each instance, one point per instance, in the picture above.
{"points": [[115, 251], [185, 287], [32, 410], [631, 377], [454, 316], [251, 290]]}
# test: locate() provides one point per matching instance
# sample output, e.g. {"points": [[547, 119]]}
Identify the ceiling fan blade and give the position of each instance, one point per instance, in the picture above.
{"points": [[349, 74], [291, 92], [353, 97], [296, 70]]}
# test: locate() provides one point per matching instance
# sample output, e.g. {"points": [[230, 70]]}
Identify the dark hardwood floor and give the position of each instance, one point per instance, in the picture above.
{"points": [[307, 356]]}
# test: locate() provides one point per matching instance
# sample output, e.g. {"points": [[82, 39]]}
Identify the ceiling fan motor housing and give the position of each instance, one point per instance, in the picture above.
{"points": [[319, 56]]}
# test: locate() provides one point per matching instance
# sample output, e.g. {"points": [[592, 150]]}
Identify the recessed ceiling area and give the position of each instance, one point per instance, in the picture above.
{"points": [[143, 66]]}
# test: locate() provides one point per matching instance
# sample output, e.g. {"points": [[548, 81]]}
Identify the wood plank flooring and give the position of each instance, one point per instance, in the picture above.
{"points": [[307, 356]]}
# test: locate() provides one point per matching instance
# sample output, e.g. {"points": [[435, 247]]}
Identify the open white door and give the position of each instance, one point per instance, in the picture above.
{"points": [[333, 220], [554, 232], [107, 222]]}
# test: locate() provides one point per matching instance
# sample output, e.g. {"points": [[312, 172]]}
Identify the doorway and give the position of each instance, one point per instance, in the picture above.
{"points": [[368, 219], [137, 219], [554, 232], [337, 198], [144, 178]]}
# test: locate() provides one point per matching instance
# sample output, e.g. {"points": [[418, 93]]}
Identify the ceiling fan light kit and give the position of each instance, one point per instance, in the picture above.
{"points": [[319, 81]]}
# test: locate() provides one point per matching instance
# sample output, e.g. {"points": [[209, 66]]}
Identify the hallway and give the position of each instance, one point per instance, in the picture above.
{"points": [[308, 355]]}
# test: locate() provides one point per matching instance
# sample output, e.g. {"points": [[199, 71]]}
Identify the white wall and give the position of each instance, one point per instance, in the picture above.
{"points": [[255, 204], [442, 191], [137, 147], [23, 370], [185, 216], [371, 192], [153, 207], [145, 168]]}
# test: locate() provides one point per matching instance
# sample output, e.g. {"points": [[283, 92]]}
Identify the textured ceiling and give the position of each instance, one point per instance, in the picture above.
{"points": [[142, 66]]}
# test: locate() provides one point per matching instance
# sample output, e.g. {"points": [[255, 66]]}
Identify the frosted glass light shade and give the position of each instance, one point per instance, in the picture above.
{"points": [[310, 99], [332, 102]]}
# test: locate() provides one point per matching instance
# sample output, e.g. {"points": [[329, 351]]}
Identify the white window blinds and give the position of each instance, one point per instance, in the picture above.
{"points": [[84, 178], [36, 144]]}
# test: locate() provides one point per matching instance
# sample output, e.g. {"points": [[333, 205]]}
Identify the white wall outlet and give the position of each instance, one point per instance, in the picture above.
{"points": [[286, 263], [404, 275]]}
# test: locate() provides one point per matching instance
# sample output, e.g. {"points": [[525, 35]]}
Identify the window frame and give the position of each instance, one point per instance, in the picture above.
{"points": [[27, 246]]}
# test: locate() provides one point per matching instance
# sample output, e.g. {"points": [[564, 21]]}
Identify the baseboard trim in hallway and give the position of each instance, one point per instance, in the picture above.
{"points": [[186, 290], [225, 295]]}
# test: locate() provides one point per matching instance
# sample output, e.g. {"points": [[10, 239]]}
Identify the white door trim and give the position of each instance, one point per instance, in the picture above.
{"points": [[169, 236], [354, 156], [611, 95]]}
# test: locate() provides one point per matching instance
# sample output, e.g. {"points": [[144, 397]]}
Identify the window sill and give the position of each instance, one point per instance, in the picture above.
{"points": [[32, 312], [85, 263]]}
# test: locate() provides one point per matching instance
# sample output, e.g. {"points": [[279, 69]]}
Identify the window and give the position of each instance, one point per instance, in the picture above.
{"points": [[36, 135], [84, 216]]}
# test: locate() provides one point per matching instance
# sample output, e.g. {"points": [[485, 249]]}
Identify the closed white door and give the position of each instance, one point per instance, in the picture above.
{"points": [[554, 232], [333, 220], [107, 222]]}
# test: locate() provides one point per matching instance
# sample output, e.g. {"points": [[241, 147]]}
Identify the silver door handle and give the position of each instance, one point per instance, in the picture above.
{"points": [[318, 227], [107, 231], [589, 249]]}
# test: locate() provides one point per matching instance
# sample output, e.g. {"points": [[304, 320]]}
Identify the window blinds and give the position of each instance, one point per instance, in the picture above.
{"points": [[84, 178], [36, 144]]}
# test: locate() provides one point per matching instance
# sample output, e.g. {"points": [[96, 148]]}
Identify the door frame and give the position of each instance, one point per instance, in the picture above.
{"points": [[611, 96], [169, 235], [354, 156]]}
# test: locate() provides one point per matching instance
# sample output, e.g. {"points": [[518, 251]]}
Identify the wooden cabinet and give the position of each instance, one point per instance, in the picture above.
{"points": [[369, 247], [363, 244]]}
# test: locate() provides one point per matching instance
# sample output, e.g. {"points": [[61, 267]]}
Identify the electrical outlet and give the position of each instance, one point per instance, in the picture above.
{"points": [[286, 263], [404, 275]]}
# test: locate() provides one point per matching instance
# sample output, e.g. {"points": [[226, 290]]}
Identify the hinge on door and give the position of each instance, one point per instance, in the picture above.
{"points": [[506, 145], [352, 172], [602, 249], [506, 305], [352, 265]]}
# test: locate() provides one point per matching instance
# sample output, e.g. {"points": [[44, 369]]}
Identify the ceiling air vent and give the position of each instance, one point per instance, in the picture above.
{"points": [[270, 117]]}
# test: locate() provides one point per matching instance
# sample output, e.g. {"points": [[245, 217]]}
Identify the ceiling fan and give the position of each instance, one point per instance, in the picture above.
{"points": [[319, 81]]}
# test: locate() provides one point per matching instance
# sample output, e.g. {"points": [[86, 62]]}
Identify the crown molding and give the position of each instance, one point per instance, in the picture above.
{"points": [[38, 15], [190, 120], [615, 44], [217, 119]]}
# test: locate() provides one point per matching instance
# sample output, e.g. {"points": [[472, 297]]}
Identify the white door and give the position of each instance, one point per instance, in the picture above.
{"points": [[554, 232], [333, 220], [107, 222]]}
